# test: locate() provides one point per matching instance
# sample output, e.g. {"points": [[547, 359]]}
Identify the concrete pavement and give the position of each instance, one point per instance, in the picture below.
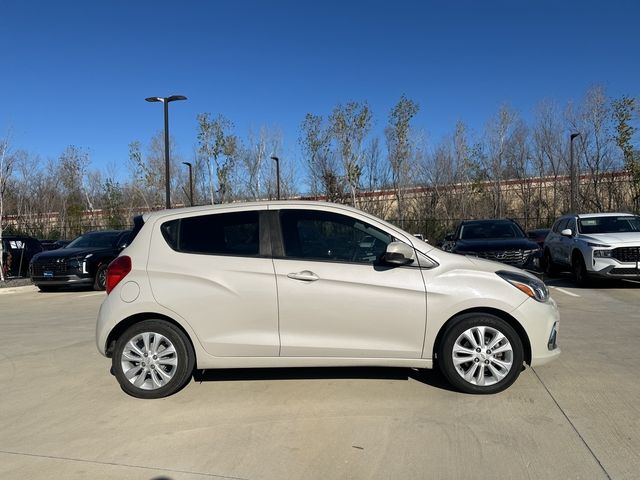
{"points": [[63, 416]]}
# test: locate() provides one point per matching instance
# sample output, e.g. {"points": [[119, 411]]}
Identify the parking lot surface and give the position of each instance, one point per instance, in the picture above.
{"points": [[62, 415]]}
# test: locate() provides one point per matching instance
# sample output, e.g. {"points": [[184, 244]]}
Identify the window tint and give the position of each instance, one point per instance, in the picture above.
{"points": [[218, 234], [318, 235], [561, 225]]}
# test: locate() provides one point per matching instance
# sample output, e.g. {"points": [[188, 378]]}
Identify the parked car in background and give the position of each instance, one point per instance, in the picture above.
{"points": [[293, 284], [84, 261], [604, 245], [54, 244], [538, 235], [498, 240], [17, 252]]}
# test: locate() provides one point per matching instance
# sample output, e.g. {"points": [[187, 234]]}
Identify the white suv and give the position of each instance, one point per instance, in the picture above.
{"points": [[605, 245], [300, 284]]}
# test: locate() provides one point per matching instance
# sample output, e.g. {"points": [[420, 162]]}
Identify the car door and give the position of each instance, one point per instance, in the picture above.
{"points": [[555, 241], [215, 271], [569, 242], [334, 296]]}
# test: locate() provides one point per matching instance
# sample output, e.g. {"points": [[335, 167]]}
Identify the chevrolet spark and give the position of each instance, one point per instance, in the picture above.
{"points": [[301, 284]]}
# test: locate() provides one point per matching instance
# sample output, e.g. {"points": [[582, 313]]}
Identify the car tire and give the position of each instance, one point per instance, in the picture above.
{"points": [[48, 288], [466, 358], [579, 271], [153, 359], [100, 282], [549, 267]]}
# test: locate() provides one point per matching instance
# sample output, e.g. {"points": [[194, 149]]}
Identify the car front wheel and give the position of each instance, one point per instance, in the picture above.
{"points": [[480, 353], [579, 271], [153, 359]]}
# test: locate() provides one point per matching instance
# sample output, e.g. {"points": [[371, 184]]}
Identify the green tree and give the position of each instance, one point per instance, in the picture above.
{"points": [[400, 148], [349, 125], [623, 110], [216, 143]]}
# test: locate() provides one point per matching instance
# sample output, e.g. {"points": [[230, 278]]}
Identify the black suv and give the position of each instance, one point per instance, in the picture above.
{"points": [[499, 240], [17, 251], [83, 262]]}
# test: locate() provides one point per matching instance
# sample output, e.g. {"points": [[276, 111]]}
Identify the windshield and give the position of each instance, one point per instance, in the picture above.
{"points": [[486, 230], [627, 223], [96, 240]]}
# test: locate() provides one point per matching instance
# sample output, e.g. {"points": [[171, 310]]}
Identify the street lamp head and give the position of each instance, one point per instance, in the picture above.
{"points": [[574, 135], [154, 99], [187, 164], [275, 158], [173, 98]]}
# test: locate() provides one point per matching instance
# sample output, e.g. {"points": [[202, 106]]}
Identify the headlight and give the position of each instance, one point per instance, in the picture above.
{"points": [[597, 245], [602, 253], [533, 287]]}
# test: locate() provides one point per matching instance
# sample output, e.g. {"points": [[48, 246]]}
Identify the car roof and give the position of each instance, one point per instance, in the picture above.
{"points": [[592, 215], [487, 220], [247, 206]]}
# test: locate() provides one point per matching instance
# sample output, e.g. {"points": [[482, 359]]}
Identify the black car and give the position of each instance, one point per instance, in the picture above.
{"points": [[498, 240], [84, 261], [54, 244], [17, 251], [538, 235]]}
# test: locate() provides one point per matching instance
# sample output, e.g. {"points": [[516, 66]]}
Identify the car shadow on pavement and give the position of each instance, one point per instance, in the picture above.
{"points": [[432, 377], [564, 280]]}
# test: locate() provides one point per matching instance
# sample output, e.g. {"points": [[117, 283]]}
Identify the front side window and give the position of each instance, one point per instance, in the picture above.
{"points": [[318, 235], [218, 234]]}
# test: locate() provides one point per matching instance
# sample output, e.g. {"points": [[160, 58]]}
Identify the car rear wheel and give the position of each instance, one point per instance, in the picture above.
{"points": [[480, 353], [550, 268], [153, 359], [100, 281]]}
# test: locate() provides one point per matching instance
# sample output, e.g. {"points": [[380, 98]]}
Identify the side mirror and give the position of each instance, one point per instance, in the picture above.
{"points": [[399, 253], [566, 232], [449, 237]]}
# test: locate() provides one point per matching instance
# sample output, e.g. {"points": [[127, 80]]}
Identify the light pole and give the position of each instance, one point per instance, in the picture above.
{"points": [[165, 101], [190, 182], [572, 172], [277, 160]]}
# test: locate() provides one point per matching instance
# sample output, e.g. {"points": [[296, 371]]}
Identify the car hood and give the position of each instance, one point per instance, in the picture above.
{"points": [[630, 238], [70, 253], [452, 261], [489, 245]]}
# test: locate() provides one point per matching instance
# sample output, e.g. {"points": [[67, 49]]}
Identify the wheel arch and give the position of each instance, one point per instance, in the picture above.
{"points": [[515, 324], [122, 326]]}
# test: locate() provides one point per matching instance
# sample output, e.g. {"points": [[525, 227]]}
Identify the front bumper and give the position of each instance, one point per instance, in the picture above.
{"points": [[61, 280], [541, 322], [611, 268]]}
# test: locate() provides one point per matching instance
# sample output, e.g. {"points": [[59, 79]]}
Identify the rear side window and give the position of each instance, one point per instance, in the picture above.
{"points": [[218, 234]]}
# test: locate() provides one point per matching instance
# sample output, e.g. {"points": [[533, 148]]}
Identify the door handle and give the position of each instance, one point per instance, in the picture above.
{"points": [[305, 276]]}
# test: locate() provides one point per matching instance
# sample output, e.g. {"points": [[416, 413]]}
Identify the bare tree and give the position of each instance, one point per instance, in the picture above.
{"points": [[323, 174], [6, 170]]}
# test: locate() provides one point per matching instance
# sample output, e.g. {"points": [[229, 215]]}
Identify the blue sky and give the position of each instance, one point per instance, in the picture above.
{"points": [[75, 72]]}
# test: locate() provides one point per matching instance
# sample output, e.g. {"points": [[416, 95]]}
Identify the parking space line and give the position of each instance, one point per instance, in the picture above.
{"points": [[91, 294], [566, 292]]}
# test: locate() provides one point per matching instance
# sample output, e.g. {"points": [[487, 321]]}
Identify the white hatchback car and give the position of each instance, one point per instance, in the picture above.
{"points": [[300, 284]]}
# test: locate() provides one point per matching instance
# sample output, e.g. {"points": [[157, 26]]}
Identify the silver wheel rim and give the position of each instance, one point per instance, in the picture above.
{"points": [[149, 360], [482, 356]]}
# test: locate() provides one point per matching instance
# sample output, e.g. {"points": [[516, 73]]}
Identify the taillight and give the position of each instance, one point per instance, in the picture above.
{"points": [[116, 271]]}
